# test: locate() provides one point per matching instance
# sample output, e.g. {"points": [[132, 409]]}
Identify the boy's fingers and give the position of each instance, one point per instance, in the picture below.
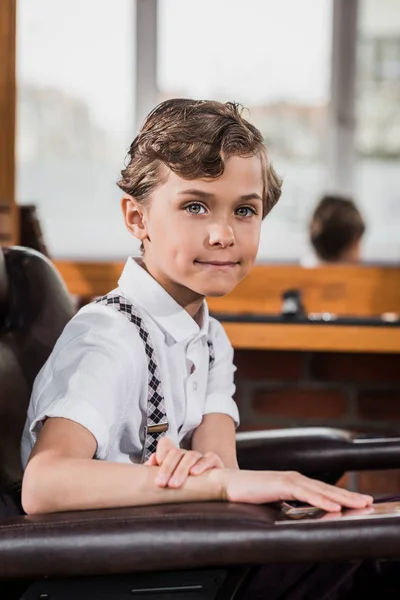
{"points": [[183, 469], [152, 460], [169, 464], [323, 502], [340, 495], [310, 496], [210, 461], [323, 495], [163, 447], [193, 463]]}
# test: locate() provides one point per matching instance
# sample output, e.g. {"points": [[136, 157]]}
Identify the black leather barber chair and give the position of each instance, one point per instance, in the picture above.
{"points": [[198, 550], [34, 308]]}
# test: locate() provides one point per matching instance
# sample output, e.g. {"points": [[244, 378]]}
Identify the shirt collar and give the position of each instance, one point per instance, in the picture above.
{"points": [[140, 288]]}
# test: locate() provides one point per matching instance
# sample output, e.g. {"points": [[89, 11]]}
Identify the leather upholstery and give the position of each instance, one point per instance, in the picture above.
{"points": [[37, 309], [196, 535], [3, 287]]}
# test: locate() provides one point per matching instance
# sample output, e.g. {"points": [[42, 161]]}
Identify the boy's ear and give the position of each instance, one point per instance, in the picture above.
{"points": [[134, 217]]}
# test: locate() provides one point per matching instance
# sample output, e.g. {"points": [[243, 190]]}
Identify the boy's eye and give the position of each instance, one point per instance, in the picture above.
{"points": [[195, 208], [245, 211]]}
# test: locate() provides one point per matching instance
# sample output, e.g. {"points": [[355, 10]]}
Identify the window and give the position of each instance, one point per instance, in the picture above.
{"points": [[378, 126], [76, 107], [274, 58], [75, 120]]}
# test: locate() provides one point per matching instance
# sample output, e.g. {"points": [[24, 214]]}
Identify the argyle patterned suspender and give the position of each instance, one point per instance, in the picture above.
{"points": [[157, 424]]}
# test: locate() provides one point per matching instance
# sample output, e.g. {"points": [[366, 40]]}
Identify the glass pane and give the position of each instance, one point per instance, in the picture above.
{"points": [[378, 127], [75, 120], [274, 58]]}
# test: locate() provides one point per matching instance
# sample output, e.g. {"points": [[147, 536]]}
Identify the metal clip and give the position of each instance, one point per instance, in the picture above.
{"points": [[160, 428]]}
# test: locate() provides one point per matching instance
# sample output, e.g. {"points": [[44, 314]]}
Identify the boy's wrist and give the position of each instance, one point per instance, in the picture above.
{"points": [[216, 487], [219, 478]]}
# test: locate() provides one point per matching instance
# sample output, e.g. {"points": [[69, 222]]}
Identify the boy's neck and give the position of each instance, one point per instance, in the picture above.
{"points": [[188, 299]]}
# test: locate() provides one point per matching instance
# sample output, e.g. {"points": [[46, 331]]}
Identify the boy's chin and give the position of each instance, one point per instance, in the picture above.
{"points": [[216, 291]]}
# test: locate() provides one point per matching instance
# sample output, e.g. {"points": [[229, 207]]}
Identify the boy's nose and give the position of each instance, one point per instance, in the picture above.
{"points": [[221, 235]]}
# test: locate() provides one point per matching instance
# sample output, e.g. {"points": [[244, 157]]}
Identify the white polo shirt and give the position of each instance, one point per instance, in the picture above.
{"points": [[97, 373]]}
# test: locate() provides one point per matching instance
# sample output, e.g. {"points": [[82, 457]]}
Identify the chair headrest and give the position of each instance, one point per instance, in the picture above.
{"points": [[3, 287]]}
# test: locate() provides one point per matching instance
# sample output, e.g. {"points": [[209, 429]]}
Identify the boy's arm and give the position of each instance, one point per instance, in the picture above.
{"points": [[61, 475], [216, 433]]}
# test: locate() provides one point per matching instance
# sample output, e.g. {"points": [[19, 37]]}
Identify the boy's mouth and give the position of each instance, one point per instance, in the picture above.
{"points": [[217, 263]]}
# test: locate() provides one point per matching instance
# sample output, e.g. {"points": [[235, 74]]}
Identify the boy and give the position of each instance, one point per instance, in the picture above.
{"points": [[196, 188]]}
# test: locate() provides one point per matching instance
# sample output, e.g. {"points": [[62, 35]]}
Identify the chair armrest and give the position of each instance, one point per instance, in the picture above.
{"points": [[312, 450], [181, 536]]}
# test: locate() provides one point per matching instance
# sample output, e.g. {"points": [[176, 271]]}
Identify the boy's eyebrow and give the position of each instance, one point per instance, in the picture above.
{"points": [[207, 195]]}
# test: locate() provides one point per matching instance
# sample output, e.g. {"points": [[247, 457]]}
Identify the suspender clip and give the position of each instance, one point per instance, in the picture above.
{"points": [[160, 428]]}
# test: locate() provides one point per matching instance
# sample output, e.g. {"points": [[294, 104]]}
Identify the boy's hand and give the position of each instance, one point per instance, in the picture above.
{"points": [[176, 464], [258, 487]]}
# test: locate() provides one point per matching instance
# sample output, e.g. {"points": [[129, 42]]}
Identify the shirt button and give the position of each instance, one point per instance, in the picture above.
{"points": [[194, 386]]}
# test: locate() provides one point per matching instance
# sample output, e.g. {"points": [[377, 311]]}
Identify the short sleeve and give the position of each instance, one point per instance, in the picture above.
{"points": [[220, 386], [88, 378]]}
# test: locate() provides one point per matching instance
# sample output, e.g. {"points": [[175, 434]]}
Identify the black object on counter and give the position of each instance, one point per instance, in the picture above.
{"points": [[292, 306]]}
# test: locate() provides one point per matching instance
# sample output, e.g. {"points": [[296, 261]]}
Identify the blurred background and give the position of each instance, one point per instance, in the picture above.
{"points": [[321, 80]]}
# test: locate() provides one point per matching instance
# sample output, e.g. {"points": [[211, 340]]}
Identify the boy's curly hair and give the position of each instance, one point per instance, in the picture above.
{"points": [[194, 138]]}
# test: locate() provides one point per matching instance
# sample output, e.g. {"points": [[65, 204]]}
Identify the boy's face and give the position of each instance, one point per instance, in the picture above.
{"points": [[201, 236]]}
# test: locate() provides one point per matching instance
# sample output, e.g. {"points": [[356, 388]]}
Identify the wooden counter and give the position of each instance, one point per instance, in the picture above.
{"points": [[329, 338]]}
